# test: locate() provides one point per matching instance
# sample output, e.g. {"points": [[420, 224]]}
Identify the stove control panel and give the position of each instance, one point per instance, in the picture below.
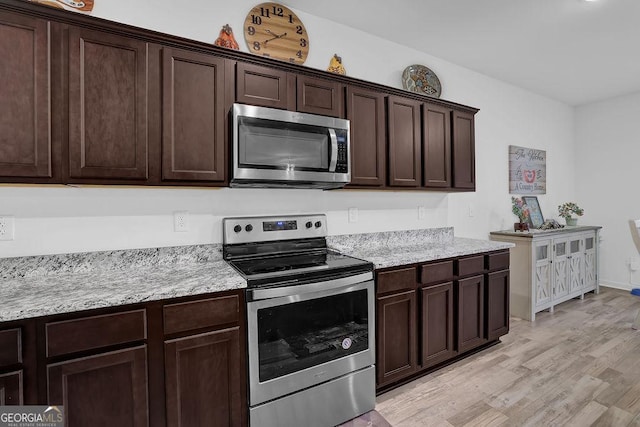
{"points": [[261, 229]]}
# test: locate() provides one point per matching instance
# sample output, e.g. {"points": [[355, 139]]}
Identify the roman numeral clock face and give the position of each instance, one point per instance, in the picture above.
{"points": [[273, 30]]}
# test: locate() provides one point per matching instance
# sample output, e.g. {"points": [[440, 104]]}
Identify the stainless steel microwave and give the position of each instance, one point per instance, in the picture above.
{"points": [[277, 148]]}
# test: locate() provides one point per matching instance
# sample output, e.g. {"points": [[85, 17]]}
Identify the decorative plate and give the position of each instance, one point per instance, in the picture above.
{"points": [[418, 78]]}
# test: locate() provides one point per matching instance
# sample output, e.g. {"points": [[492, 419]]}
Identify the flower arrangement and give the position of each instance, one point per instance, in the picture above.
{"points": [[519, 209], [567, 209]]}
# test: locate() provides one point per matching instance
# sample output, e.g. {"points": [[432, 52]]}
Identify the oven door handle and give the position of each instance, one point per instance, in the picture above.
{"points": [[289, 291]]}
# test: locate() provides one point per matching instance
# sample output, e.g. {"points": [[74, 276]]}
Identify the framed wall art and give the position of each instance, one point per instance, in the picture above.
{"points": [[535, 214], [527, 170]]}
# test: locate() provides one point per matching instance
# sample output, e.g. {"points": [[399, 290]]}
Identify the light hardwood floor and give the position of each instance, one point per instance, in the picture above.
{"points": [[578, 366]]}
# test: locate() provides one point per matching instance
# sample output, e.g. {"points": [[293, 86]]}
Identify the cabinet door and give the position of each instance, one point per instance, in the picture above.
{"points": [[464, 155], [437, 324], [405, 157], [396, 337], [436, 146], [576, 265], [11, 389], [560, 268], [470, 313], [319, 96], [25, 109], [497, 304], [542, 274], [203, 380], [108, 120], [193, 116], [267, 87], [105, 390], [365, 110]]}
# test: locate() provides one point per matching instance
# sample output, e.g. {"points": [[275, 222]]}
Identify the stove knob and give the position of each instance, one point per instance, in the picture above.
{"points": [[237, 229], [309, 224], [248, 227], [318, 224]]}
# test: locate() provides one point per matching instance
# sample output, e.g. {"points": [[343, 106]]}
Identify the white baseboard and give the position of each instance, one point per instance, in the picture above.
{"points": [[618, 285]]}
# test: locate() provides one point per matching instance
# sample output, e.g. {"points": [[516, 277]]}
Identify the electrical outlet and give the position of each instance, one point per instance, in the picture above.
{"points": [[7, 228], [181, 221], [353, 214], [472, 210], [422, 212]]}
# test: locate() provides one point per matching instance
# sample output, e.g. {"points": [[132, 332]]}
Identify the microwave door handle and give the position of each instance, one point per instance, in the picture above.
{"points": [[334, 150]]}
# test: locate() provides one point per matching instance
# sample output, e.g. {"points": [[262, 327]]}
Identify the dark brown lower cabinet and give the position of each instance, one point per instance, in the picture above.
{"points": [[470, 299], [437, 324], [104, 390], [396, 336], [497, 294], [204, 365], [11, 389]]}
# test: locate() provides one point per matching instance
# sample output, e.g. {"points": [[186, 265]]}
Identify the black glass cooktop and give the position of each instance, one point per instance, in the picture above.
{"points": [[263, 270]]}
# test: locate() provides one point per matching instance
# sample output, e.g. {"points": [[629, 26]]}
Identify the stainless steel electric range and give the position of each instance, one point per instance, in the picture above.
{"points": [[310, 313]]}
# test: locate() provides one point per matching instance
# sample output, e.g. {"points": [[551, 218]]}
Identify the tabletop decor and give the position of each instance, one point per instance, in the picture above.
{"points": [[521, 210], [226, 38], [566, 211], [273, 30], [535, 214], [335, 65], [527, 170], [75, 5], [418, 78]]}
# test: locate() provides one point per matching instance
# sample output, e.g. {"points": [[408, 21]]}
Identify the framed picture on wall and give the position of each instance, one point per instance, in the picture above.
{"points": [[535, 214]]}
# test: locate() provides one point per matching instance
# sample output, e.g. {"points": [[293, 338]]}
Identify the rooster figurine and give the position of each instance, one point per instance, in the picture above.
{"points": [[226, 39], [335, 66]]}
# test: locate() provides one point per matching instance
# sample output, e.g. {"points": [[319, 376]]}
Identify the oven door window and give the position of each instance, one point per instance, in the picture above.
{"points": [[268, 144], [299, 335]]}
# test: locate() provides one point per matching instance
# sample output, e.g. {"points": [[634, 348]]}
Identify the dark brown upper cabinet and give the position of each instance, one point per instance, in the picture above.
{"points": [[108, 120], [320, 96], [25, 94], [264, 86], [464, 163], [436, 146], [404, 142], [365, 110], [193, 116]]}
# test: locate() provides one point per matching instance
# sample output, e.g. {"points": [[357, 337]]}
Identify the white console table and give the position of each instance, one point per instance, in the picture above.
{"points": [[550, 266]]}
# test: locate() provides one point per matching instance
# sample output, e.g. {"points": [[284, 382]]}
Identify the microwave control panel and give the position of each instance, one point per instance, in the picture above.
{"points": [[342, 166]]}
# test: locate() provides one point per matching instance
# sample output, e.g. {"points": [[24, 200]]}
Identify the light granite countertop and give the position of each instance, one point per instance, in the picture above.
{"points": [[54, 284], [391, 249]]}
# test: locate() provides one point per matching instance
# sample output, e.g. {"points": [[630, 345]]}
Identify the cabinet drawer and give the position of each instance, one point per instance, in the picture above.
{"points": [[10, 347], [396, 280], [201, 314], [95, 332], [436, 272], [470, 265], [498, 261]]}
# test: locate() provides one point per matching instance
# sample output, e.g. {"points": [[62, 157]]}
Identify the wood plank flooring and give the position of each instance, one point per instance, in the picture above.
{"points": [[578, 366]]}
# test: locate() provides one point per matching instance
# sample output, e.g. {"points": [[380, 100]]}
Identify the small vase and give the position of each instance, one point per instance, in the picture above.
{"points": [[572, 222], [520, 226]]}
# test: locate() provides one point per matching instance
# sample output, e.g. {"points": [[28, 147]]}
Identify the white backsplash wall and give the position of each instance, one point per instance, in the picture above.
{"points": [[67, 219], [607, 164]]}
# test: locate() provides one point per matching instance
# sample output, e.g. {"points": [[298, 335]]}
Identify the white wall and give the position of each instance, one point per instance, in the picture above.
{"points": [[65, 219], [607, 164]]}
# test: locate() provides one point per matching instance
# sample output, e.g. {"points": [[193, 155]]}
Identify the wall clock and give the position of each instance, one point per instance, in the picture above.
{"points": [[273, 30]]}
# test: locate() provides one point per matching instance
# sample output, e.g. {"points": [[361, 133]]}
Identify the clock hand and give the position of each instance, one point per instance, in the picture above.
{"points": [[273, 38]]}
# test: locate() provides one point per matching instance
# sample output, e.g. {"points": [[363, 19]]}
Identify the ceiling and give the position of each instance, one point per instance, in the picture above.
{"points": [[573, 51]]}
